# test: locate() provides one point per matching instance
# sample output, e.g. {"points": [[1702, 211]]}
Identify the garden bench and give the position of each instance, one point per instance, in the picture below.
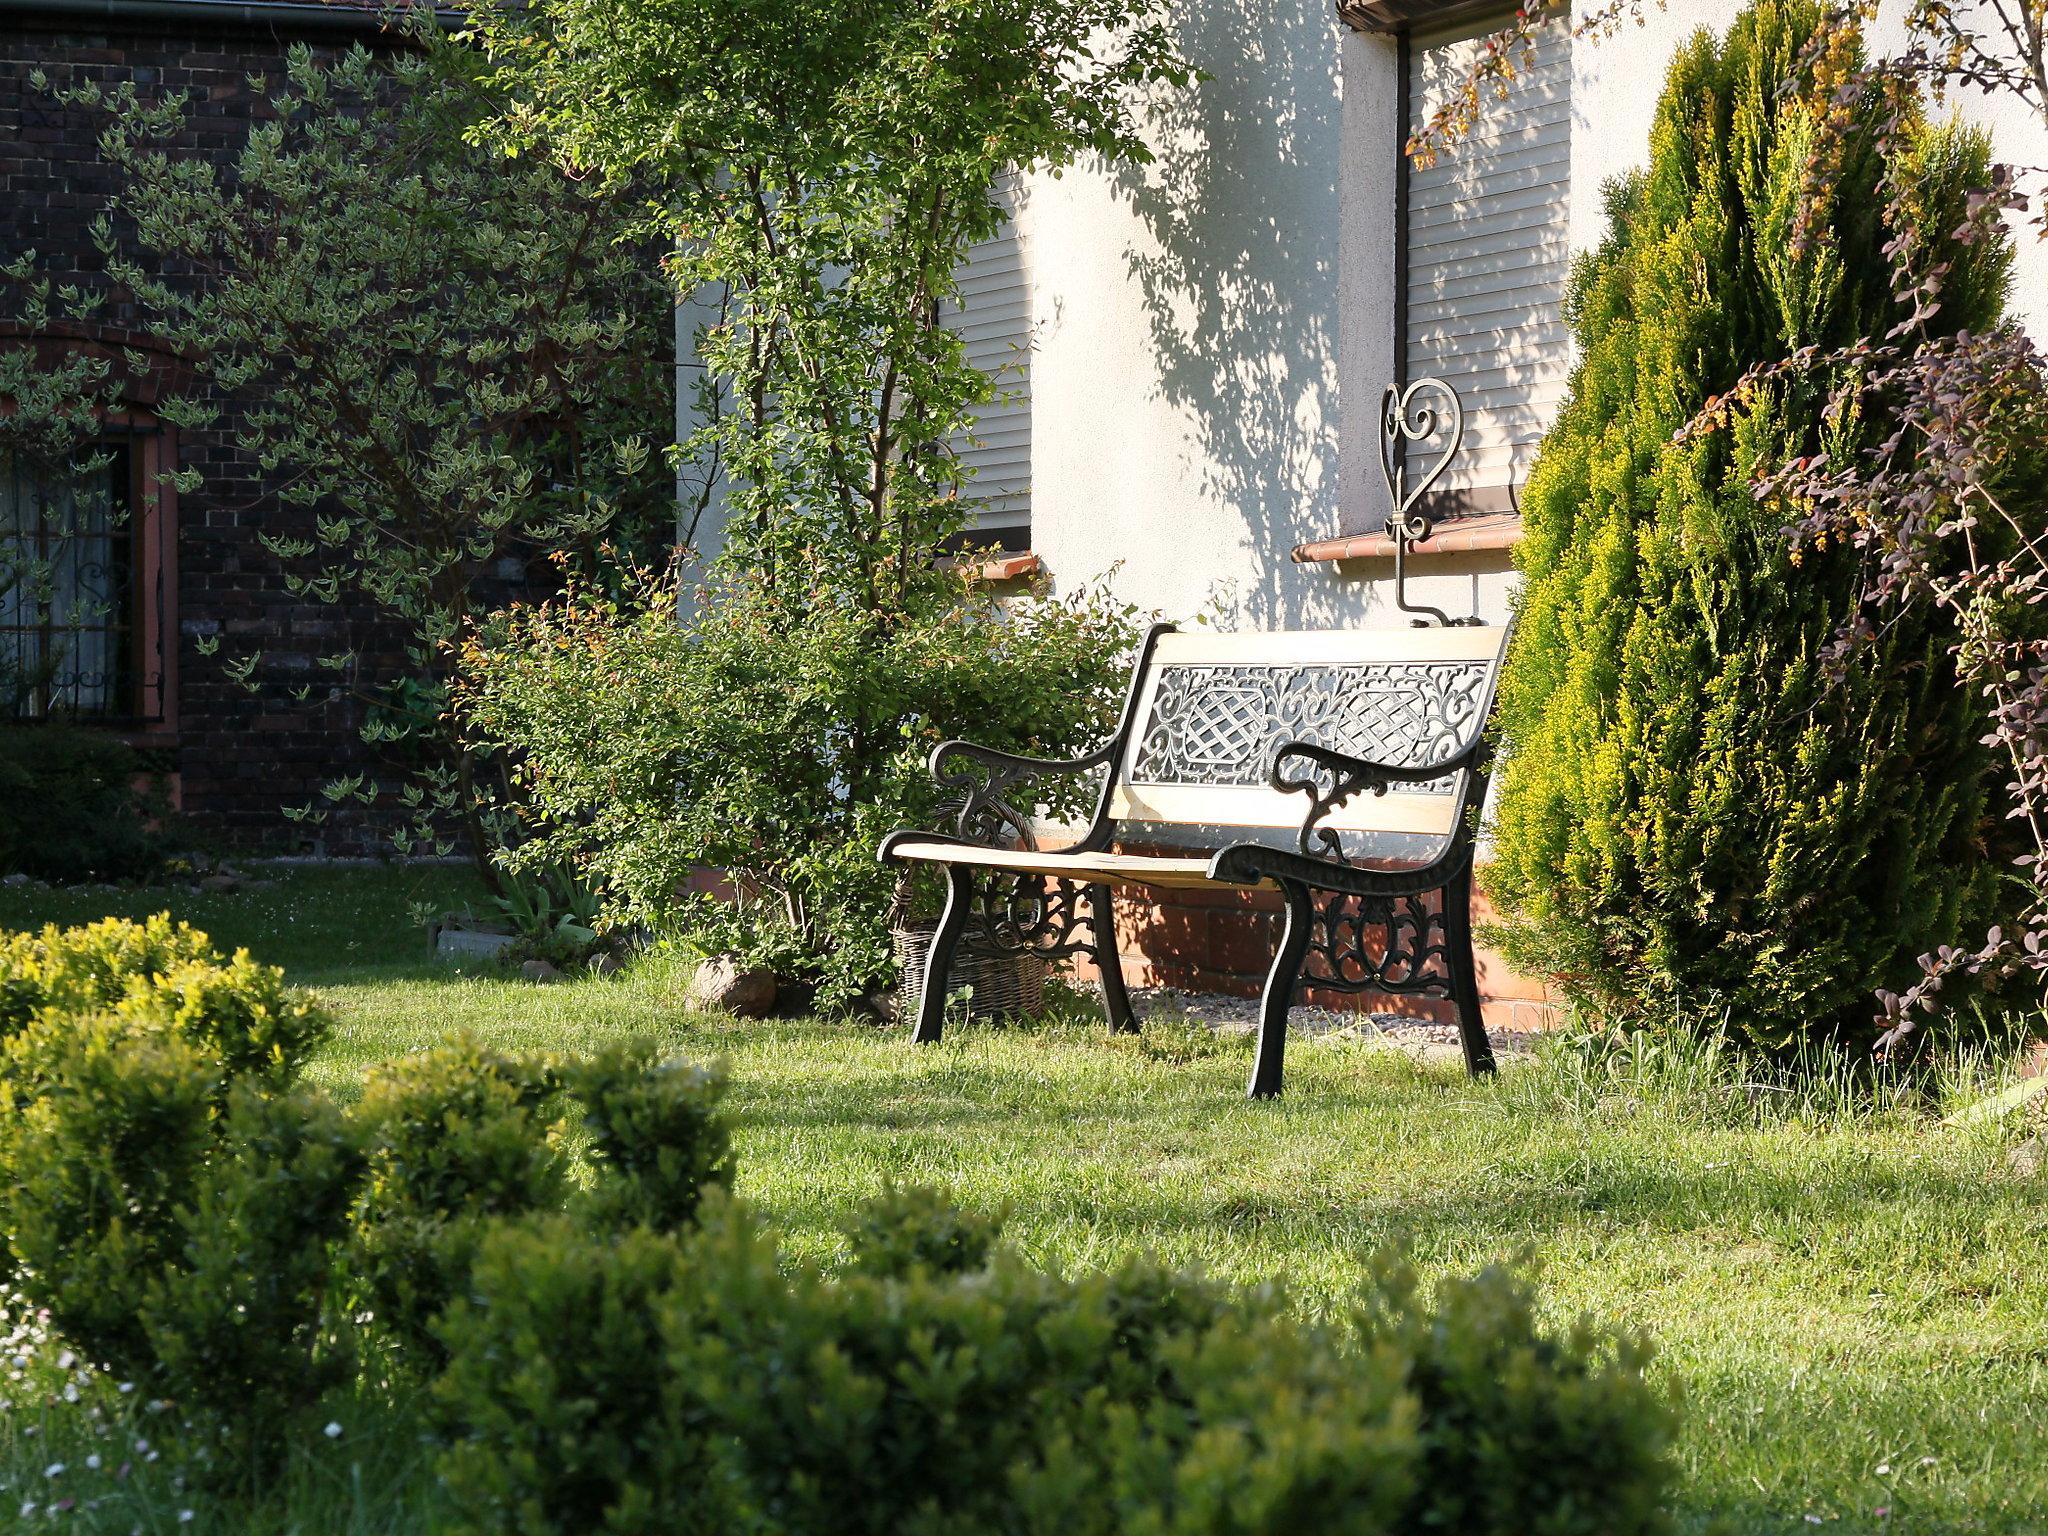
{"points": [[1343, 768]]}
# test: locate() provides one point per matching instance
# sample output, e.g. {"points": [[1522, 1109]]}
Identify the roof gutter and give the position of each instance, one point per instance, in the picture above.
{"points": [[234, 15]]}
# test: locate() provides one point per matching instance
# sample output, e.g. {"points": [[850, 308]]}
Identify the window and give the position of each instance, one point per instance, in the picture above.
{"points": [[1484, 250], [993, 320], [70, 638]]}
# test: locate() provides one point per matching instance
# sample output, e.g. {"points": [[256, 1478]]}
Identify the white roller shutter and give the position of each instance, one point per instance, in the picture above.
{"points": [[1487, 250], [993, 319]]}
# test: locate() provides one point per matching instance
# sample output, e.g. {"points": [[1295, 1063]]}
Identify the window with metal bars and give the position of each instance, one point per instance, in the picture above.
{"points": [[69, 644]]}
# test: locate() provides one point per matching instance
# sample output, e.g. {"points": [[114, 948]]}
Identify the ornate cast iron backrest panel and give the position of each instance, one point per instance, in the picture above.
{"points": [[1222, 724], [1215, 709]]}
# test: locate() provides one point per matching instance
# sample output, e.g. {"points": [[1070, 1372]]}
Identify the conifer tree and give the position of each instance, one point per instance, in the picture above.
{"points": [[1708, 811]]}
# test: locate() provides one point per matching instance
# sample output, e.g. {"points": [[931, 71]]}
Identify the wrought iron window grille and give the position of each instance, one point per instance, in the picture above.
{"points": [[75, 641]]}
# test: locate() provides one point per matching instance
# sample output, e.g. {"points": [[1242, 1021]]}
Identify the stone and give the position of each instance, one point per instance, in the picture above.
{"points": [[15, 880], [2026, 1160], [538, 970], [220, 885], [722, 984], [605, 963]]}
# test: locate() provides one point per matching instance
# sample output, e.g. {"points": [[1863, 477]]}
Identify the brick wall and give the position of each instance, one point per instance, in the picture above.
{"points": [[235, 759]]}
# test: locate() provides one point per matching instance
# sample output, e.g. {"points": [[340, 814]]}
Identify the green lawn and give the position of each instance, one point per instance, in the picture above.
{"points": [[1855, 1303]]}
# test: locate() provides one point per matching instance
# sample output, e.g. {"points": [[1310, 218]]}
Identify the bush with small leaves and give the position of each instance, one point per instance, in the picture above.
{"points": [[168, 1197], [165, 974], [915, 1226], [455, 1136], [1519, 1418], [69, 808], [701, 1382], [553, 1401], [656, 1130], [233, 1317], [93, 1167]]}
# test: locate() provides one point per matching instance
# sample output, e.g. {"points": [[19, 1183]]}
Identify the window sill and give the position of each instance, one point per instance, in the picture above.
{"points": [[1458, 536], [1000, 566]]}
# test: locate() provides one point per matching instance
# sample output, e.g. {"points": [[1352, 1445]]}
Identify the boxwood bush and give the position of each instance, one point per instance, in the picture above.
{"points": [[707, 1383]]}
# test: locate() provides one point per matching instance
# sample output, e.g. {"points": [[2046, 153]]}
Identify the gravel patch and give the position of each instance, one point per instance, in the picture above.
{"points": [[1420, 1038]]}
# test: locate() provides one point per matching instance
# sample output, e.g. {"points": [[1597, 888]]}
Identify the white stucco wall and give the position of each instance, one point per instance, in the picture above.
{"points": [[1184, 376]]}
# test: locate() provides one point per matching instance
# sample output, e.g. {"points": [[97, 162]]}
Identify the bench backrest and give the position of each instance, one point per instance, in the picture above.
{"points": [[1212, 709]]}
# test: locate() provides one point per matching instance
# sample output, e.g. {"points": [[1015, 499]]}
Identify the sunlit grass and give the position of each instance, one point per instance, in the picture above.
{"points": [[1853, 1296]]}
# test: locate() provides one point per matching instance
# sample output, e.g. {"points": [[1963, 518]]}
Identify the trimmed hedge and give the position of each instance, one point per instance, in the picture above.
{"points": [[706, 1383]]}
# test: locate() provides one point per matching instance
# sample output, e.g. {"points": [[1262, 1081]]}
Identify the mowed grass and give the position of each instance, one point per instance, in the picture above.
{"points": [[1854, 1302]]}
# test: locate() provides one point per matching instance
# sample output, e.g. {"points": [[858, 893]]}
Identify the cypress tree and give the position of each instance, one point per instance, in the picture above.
{"points": [[1700, 817]]}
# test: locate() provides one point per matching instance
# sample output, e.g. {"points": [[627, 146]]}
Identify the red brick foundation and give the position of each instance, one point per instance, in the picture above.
{"points": [[1222, 940]]}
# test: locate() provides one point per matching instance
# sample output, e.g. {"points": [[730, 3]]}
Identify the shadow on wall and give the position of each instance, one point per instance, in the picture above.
{"points": [[1240, 288]]}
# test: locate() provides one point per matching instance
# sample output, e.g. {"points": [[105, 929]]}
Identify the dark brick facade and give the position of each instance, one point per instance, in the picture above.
{"points": [[233, 760]]}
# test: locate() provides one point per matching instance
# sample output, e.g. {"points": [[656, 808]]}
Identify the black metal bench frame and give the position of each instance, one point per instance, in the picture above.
{"points": [[1332, 902]]}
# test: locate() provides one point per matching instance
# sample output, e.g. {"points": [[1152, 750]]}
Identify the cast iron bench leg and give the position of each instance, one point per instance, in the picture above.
{"points": [[1464, 978], [938, 963], [1268, 1064], [1116, 1001]]}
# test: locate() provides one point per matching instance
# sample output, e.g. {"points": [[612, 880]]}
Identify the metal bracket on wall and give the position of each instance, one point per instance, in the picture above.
{"points": [[1416, 413]]}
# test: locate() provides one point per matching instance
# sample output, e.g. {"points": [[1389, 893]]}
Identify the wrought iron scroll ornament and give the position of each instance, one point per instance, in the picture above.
{"points": [[1416, 413], [1330, 780], [1411, 955], [1014, 913], [988, 812]]}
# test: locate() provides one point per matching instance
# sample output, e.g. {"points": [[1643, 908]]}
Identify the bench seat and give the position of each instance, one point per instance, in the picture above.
{"points": [[1057, 864]]}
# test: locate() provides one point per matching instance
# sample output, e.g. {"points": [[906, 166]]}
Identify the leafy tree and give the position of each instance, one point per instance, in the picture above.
{"points": [[1709, 805], [456, 359], [825, 170]]}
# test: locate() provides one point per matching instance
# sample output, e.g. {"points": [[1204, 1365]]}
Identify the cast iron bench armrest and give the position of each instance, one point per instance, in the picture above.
{"points": [[1347, 776], [984, 808]]}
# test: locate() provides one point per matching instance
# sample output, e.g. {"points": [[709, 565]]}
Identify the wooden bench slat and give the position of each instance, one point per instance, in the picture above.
{"points": [[1327, 647], [1229, 805], [1117, 868]]}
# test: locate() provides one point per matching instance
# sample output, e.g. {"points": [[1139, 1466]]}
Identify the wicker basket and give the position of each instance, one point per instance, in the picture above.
{"points": [[1004, 985]]}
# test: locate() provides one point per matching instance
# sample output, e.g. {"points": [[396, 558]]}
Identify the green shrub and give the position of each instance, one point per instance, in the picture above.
{"points": [[700, 1382], [1517, 1418], [69, 808], [242, 1015], [554, 1397], [776, 736], [915, 1226], [1699, 816], [657, 1131], [455, 1136], [234, 1318], [121, 1045], [94, 1166]]}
